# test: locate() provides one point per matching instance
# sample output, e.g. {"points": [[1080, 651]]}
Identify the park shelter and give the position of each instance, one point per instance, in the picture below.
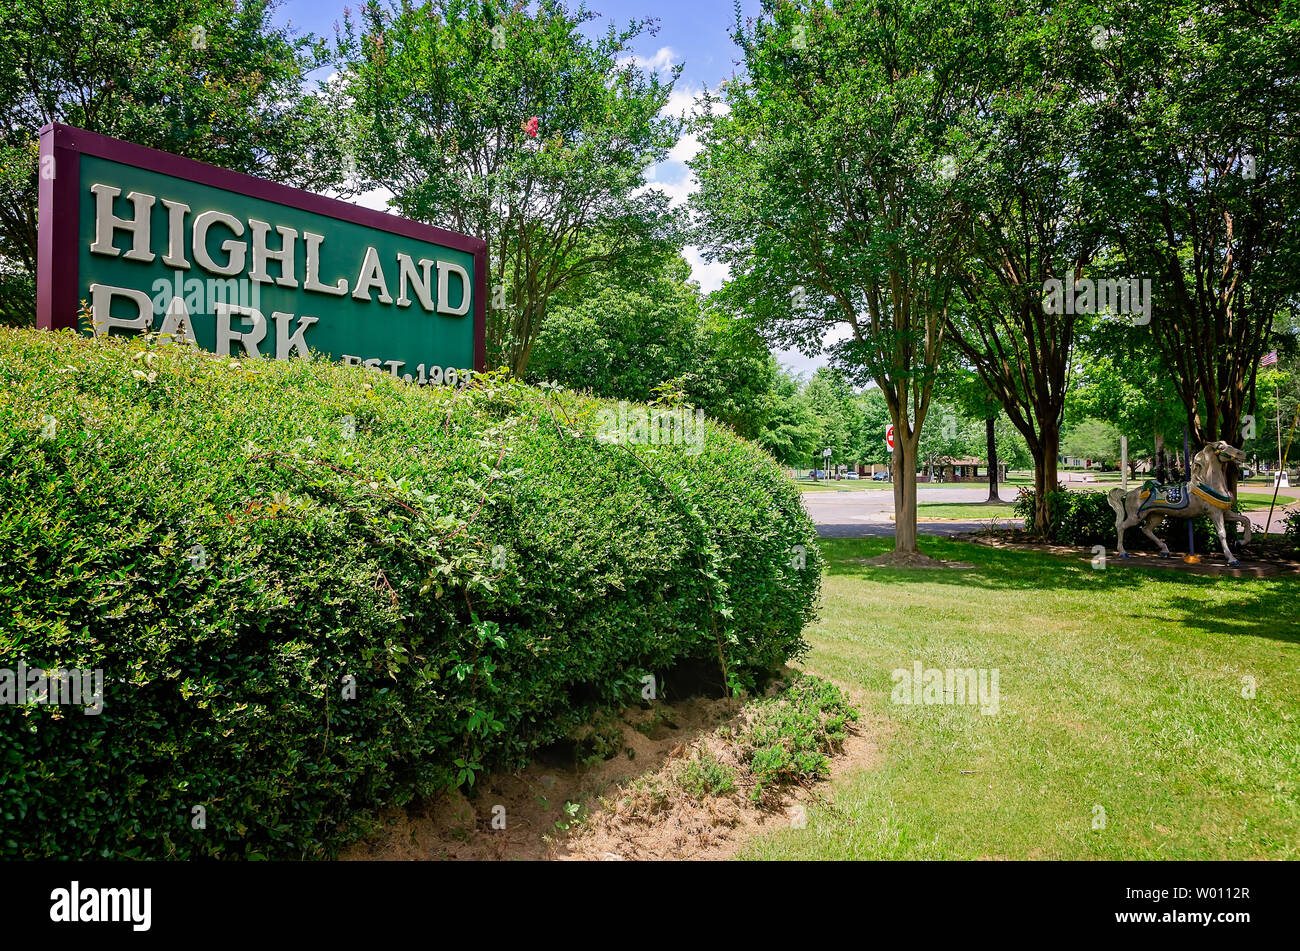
{"points": [[965, 469]]}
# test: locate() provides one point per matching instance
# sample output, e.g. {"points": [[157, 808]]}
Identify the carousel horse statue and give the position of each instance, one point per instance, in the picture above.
{"points": [[1206, 494]]}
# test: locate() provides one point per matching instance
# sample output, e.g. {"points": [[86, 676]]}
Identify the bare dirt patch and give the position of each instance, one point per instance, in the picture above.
{"points": [[636, 824], [624, 807], [534, 799]]}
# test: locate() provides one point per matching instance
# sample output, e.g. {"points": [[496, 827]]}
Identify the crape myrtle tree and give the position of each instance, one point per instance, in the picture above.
{"points": [[1036, 219], [1199, 154], [825, 187], [212, 80], [506, 122]]}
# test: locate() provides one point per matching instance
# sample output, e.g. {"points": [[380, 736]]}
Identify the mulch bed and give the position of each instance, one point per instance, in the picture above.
{"points": [[1263, 561]]}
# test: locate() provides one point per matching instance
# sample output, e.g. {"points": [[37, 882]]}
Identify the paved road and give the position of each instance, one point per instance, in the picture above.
{"points": [[859, 513], [868, 513]]}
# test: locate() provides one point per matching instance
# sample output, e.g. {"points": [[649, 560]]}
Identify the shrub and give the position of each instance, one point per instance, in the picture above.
{"points": [[1086, 518], [315, 590], [782, 739], [1078, 518], [704, 775], [789, 737]]}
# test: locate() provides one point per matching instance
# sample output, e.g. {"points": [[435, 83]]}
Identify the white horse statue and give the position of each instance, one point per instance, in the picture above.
{"points": [[1206, 494]]}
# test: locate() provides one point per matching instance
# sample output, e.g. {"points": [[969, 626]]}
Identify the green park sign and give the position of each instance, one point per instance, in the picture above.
{"points": [[133, 240]]}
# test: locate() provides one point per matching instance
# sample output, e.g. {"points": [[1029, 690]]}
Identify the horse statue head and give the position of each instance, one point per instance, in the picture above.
{"points": [[1208, 464]]}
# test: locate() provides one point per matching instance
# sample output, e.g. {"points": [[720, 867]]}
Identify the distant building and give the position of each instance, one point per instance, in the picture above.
{"points": [[1078, 462], [966, 469]]}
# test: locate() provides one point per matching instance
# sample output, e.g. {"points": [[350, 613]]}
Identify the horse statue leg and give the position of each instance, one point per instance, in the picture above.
{"points": [[1241, 519], [1123, 520], [1148, 529], [1217, 516]]}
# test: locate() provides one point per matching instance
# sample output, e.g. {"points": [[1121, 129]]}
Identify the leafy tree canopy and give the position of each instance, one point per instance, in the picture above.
{"points": [[212, 80], [505, 122]]}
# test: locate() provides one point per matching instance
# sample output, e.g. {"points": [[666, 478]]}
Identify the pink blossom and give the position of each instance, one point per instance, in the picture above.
{"points": [[531, 127]]}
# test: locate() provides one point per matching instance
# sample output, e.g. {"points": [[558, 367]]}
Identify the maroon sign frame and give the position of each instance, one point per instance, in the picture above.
{"points": [[59, 211]]}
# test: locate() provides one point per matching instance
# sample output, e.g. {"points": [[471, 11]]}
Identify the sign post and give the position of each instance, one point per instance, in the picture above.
{"points": [[133, 240]]}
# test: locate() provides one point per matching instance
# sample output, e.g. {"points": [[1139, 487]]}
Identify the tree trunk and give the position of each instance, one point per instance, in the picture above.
{"points": [[1229, 432], [904, 492], [993, 459], [1045, 475]]}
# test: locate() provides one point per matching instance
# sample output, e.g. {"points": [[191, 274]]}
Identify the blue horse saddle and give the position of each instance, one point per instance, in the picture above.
{"points": [[1164, 498], [1176, 496]]}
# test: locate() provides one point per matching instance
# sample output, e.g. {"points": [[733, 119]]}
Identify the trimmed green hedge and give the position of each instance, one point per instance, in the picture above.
{"points": [[242, 545], [1086, 518]]}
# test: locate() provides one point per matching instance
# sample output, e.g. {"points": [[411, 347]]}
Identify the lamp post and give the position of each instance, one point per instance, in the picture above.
{"points": [[1187, 462]]}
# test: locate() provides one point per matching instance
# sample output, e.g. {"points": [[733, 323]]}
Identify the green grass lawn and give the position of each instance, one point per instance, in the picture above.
{"points": [[963, 510], [1119, 689], [848, 485], [1261, 500]]}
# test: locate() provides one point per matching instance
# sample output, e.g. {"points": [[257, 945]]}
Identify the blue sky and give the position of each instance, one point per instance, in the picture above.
{"points": [[696, 34]]}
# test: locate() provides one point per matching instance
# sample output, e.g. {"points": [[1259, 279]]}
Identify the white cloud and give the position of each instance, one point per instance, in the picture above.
{"points": [[681, 100], [673, 180], [708, 274], [796, 361], [678, 182], [661, 61], [671, 176], [792, 361], [686, 148], [682, 103], [377, 199]]}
